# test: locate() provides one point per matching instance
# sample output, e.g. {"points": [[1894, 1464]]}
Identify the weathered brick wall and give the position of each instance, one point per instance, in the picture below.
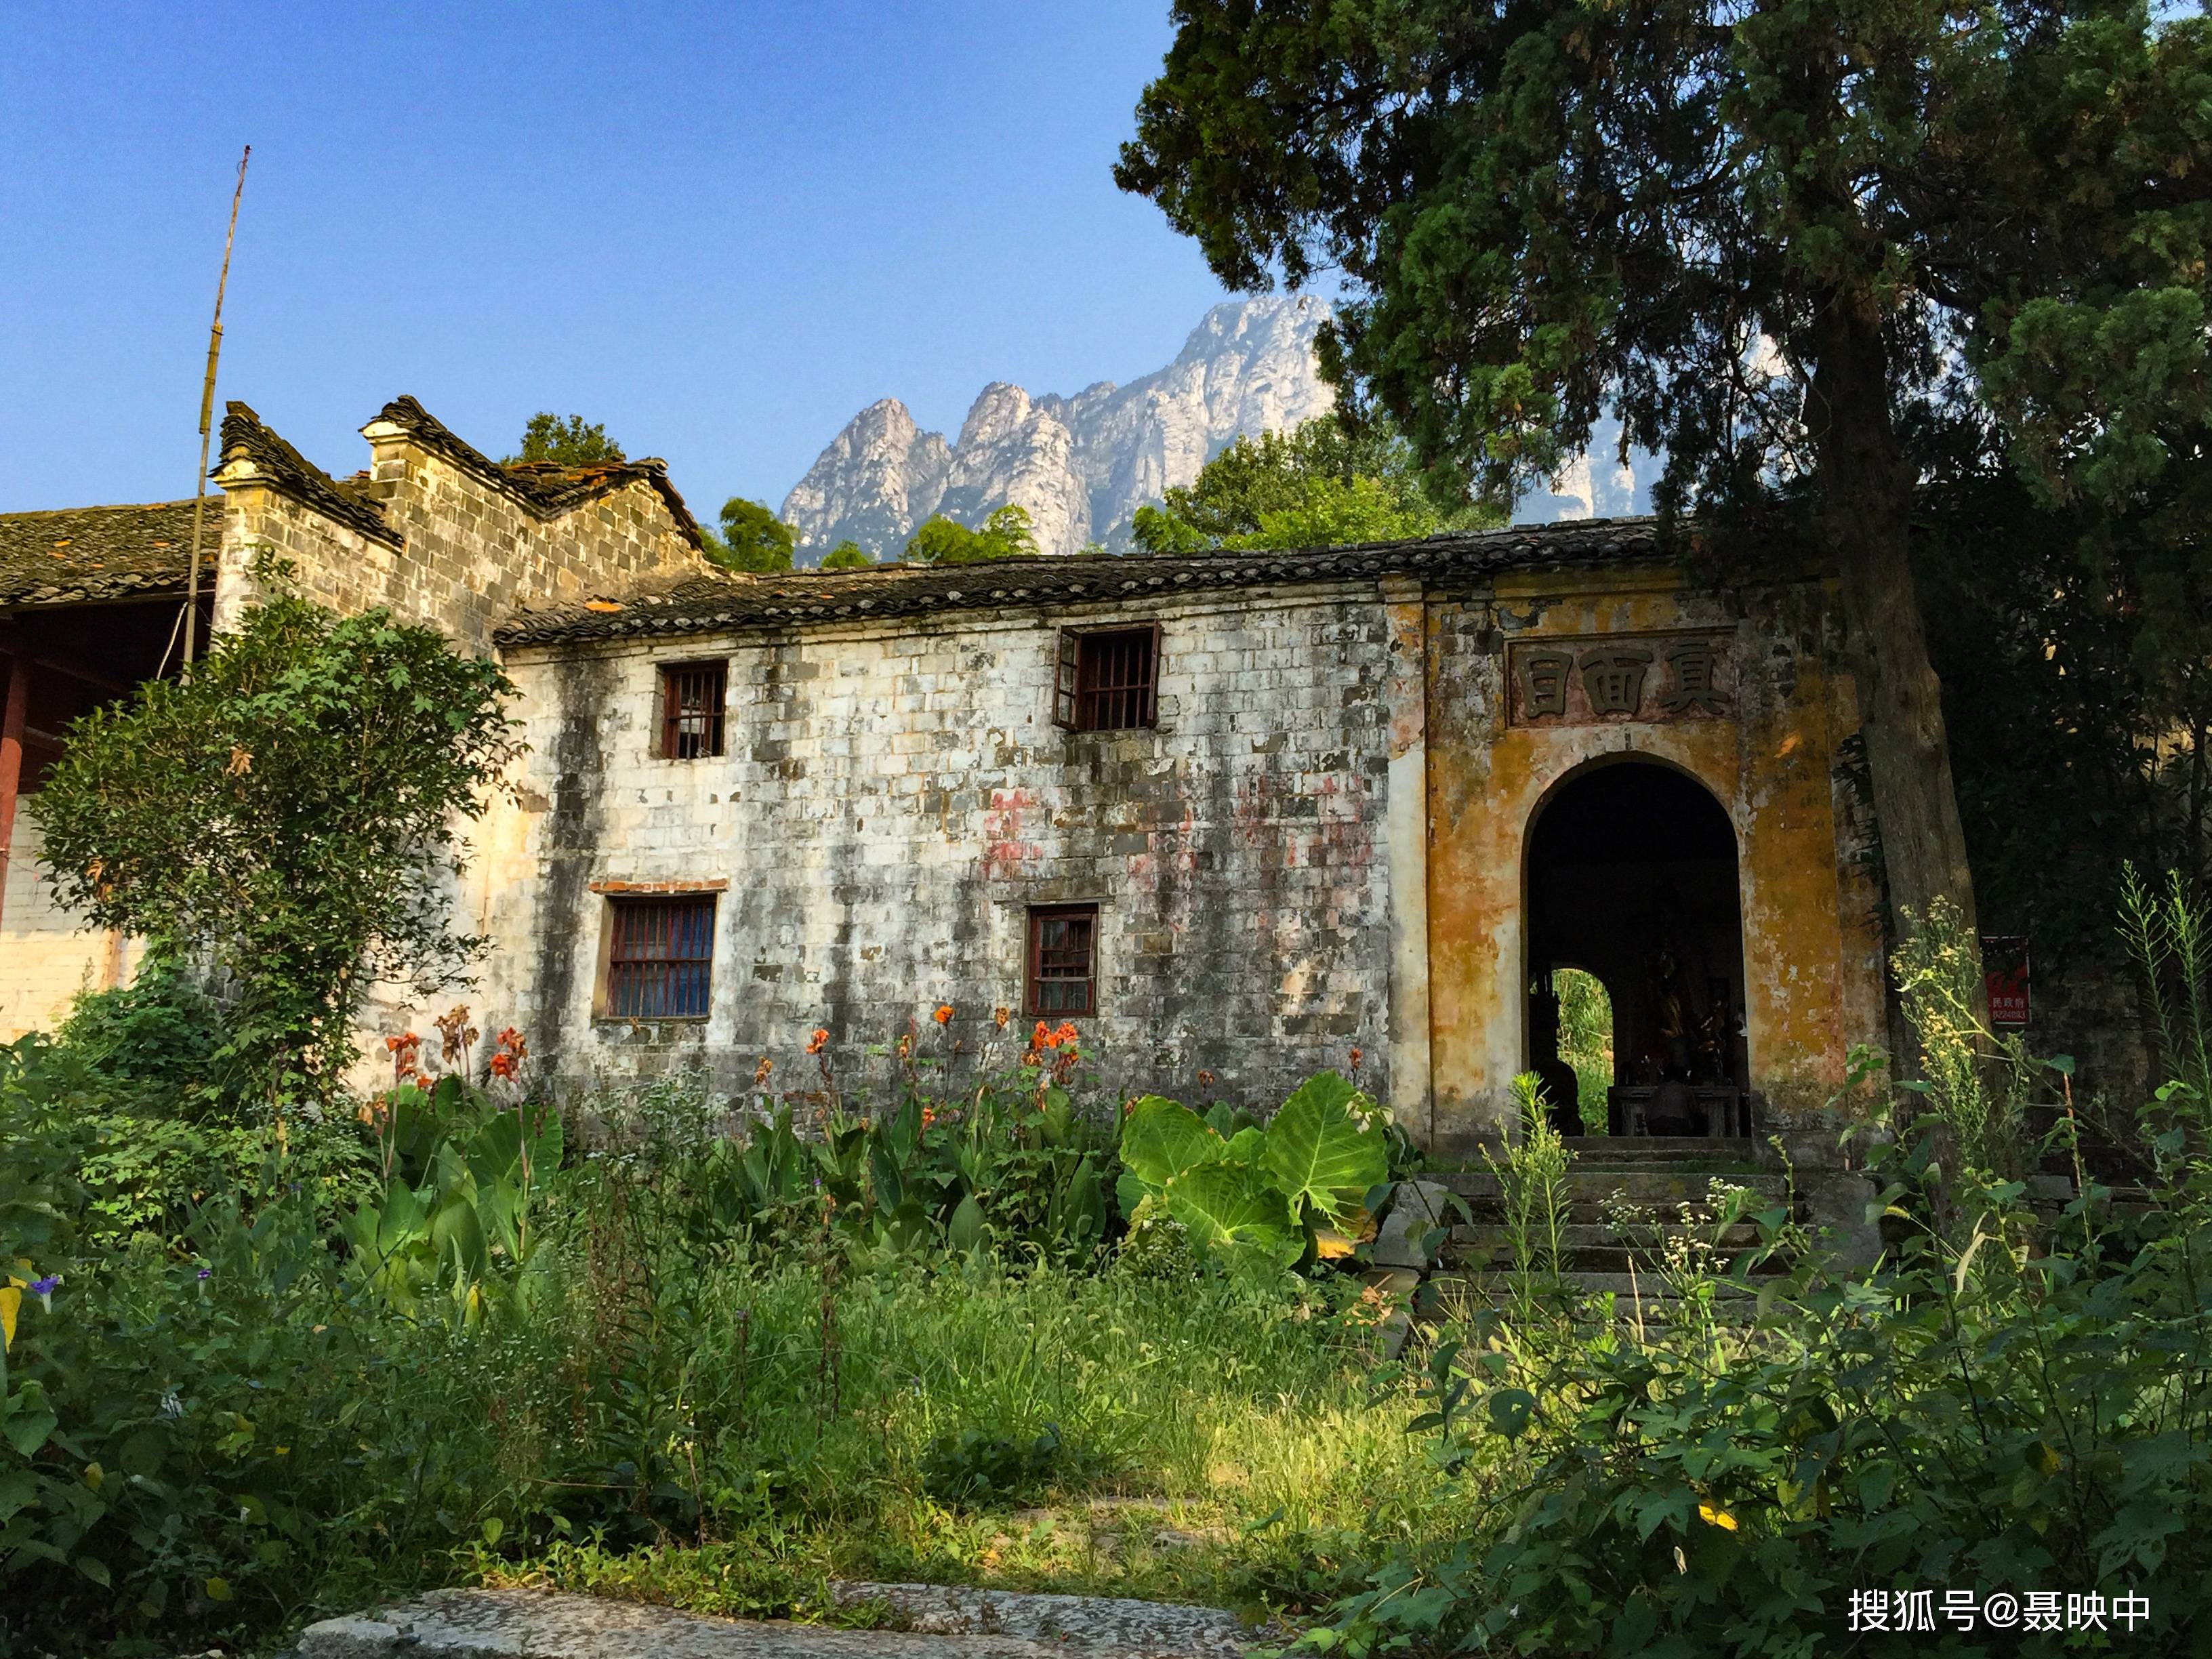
{"points": [[45, 957], [894, 798], [470, 553]]}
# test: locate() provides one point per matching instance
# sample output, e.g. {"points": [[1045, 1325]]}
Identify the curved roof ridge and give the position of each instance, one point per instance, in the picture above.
{"points": [[247, 438], [546, 487]]}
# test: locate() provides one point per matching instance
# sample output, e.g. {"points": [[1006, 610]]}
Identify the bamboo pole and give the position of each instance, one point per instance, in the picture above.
{"points": [[207, 425]]}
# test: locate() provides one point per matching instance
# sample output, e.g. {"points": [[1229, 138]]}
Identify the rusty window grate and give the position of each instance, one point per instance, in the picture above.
{"points": [[691, 698], [1063, 972], [1107, 681], [662, 958]]}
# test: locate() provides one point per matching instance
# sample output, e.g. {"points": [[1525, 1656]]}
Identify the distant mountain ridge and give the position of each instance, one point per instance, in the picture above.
{"points": [[1082, 466]]}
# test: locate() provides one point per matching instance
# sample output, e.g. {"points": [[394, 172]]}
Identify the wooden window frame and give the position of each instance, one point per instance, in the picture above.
{"points": [[1077, 699], [712, 736], [1034, 979], [629, 984]]}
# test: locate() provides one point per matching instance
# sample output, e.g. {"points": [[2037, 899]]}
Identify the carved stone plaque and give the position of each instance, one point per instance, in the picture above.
{"points": [[1614, 678]]}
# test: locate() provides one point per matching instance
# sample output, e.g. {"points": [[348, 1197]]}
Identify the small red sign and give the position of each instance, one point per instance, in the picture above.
{"points": [[2004, 967]]}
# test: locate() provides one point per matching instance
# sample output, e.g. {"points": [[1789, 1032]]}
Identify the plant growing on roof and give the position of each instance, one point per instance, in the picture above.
{"points": [[1256, 1198], [289, 815]]}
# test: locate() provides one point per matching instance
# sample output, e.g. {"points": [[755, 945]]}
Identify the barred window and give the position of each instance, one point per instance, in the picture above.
{"points": [[1107, 681], [660, 961], [1063, 969], [691, 698]]}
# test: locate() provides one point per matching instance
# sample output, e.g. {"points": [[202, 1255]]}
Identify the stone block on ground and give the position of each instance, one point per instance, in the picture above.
{"points": [[941, 1623], [1417, 1208], [1090, 1624]]}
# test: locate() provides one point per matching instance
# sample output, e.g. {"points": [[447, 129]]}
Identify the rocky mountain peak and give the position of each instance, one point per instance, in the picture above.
{"points": [[1081, 464]]}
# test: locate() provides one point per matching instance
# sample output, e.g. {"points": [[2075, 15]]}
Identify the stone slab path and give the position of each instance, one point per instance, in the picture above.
{"points": [[942, 1623]]}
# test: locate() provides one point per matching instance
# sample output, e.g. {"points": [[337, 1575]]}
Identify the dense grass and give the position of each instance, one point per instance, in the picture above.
{"points": [[240, 1400], [1240, 1421]]}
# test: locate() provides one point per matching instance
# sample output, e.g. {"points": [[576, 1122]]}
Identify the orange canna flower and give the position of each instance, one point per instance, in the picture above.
{"points": [[1001, 1016], [1205, 1079], [814, 1043], [944, 1014], [761, 1071], [905, 1045]]}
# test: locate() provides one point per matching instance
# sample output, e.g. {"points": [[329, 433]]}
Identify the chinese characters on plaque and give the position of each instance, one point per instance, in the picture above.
{"points": [[1577, 682]]}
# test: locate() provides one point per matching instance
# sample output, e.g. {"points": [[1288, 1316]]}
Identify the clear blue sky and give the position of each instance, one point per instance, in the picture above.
{"points": [[720, 229]]}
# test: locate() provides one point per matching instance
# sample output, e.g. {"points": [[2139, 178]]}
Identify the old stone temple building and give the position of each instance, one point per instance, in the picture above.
{"points": [[1237, 816]]}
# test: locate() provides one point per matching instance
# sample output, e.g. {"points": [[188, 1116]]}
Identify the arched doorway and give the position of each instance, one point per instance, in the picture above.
{"points": [[1631, 876]]}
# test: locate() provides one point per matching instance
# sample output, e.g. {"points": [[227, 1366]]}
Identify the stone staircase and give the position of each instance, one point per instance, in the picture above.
{"points": [[1597, 1251]]}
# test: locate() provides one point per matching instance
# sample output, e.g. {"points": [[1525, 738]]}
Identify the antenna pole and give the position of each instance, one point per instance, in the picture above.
{"points": [[206, 424]]}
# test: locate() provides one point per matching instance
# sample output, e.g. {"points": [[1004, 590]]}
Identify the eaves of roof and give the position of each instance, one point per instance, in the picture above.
{"points": [[98, 555], [723, 603]]}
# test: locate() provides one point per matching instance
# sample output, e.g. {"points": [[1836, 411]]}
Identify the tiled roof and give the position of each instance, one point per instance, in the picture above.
{"points": [[84, 555], [709, 604], [289, 473], [541, 485]]}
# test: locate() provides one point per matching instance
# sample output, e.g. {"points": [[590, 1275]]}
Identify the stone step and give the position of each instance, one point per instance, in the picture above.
{"points": [[1717, 1149], [1666, 1186], [1640, 1286], [1598, 1235]]}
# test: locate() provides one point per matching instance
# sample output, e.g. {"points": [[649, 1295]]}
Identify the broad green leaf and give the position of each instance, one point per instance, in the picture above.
{"points": [[455, 1232], [1160, 1140], [28, 1427], [402, 1219], [495, 1153], [965, 1231], [1317, 1150], [1223, 1206], [1129, 1191]]}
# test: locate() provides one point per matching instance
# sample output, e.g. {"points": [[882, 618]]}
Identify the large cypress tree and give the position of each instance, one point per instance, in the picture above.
{"points": [[1779, 239]]}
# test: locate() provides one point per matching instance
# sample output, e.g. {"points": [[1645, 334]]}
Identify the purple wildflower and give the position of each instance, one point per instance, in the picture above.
{"points": [[46, 1286], [207, 1273]]}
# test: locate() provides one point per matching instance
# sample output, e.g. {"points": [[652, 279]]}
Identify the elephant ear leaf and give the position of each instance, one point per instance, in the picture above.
{"points": [[1231, 1208], [1160, 1140], [1319, 1150]]}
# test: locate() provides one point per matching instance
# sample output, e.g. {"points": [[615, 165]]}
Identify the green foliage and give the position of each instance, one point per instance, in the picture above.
{"points": [[1005, 534], [1532, 1185], [571, 443], [290, 815], [1809, 252], [1318, 486], [454, 1225], [1156, 1245], [974, 1465], [1453, 168], [253, 1378], [2166, 939], [1974, 1082], [2074, 697], [151, 1044], [1586, 1041], [846, 555], [1256, 1199], [2011, 1400], [753, 538]]}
